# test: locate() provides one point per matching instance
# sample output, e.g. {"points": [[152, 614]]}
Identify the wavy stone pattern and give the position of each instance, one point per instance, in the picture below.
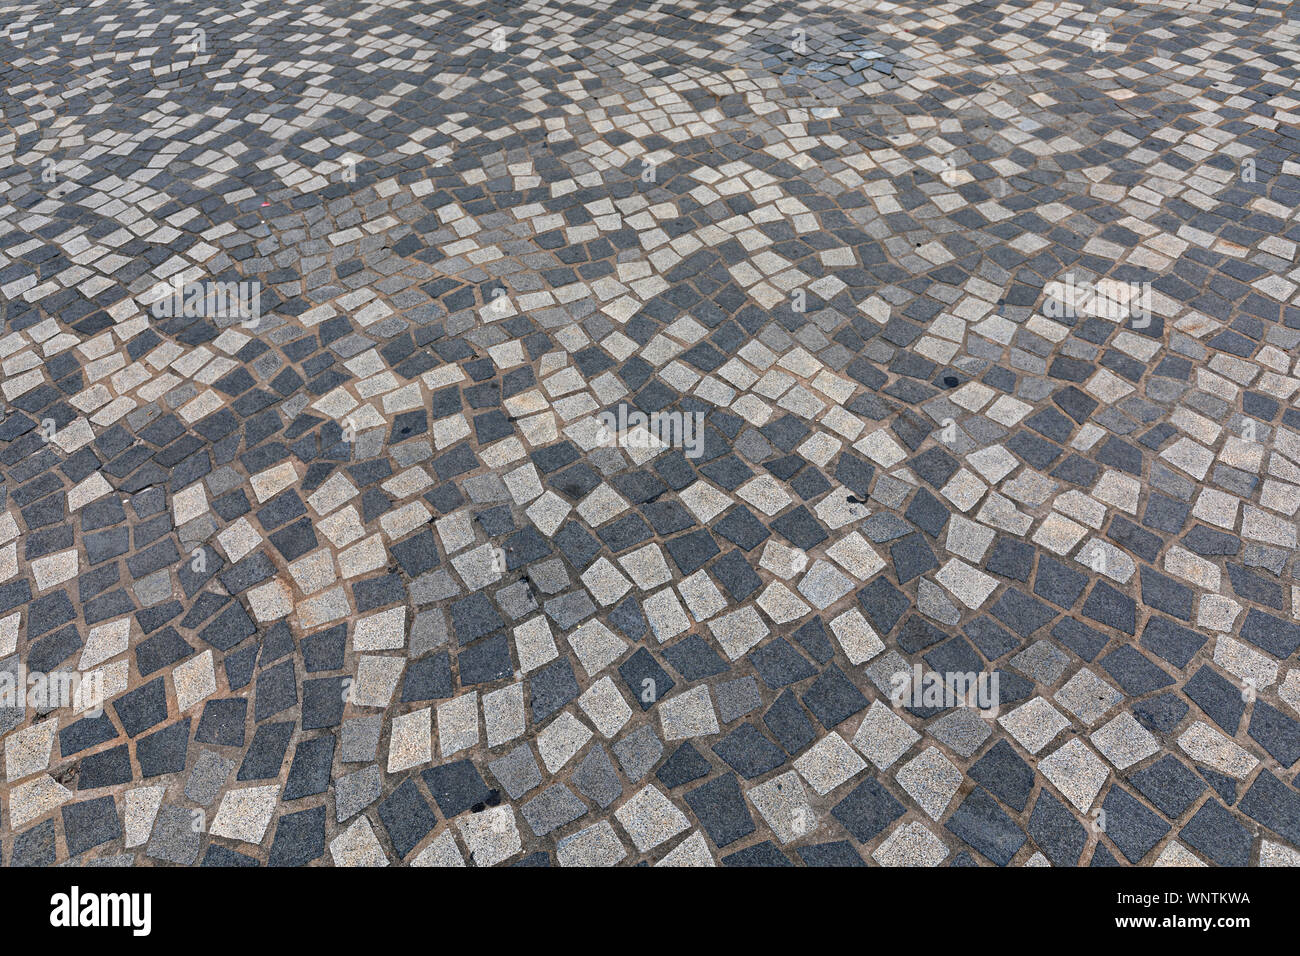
{"points": [[365, 581]]}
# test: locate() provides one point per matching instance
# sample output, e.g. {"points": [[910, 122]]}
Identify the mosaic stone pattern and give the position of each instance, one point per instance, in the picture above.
{"points": [[365, 582]]}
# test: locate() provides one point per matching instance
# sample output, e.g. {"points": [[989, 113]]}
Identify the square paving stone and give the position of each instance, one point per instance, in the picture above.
{"points": [[685, 765], [309, 773], [1130, 825], [1219, 835], [146, 707], [596, 779], [222, 722], [209, 775], [175, 839], [299, 838], [552, 808], [164, 751], [721, 810], [1056, 832], [90, 823], [405, 815], [986, 827], [1169, 785], [457, 787], [833, 698], [867, 811]]}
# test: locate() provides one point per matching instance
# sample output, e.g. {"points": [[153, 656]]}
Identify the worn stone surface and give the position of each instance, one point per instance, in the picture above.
{"points": [[963, 529]]}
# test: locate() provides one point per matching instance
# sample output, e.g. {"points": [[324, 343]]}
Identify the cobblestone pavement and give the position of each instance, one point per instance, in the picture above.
{"points": [[573, 433]]}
